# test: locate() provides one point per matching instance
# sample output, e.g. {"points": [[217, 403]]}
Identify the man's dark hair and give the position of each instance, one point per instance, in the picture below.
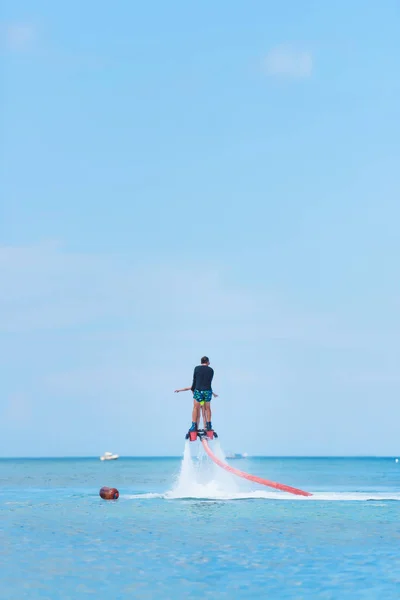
{"points": [[205, 360]]}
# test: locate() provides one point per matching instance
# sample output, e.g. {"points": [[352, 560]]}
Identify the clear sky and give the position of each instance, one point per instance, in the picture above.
{"points": [[186, 178]]}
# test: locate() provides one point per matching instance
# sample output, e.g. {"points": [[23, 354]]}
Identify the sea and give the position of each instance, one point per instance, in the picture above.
{"points": [[184, 528]]}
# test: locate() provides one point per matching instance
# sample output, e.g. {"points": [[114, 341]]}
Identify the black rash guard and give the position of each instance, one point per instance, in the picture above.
{"points": [[202, 378]]}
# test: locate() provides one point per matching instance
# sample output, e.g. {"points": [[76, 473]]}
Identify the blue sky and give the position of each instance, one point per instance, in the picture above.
{"points": [[181, 179]]}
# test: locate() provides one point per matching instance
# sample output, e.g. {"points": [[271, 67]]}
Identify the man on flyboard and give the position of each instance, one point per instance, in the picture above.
{"points": [[202, 394]]}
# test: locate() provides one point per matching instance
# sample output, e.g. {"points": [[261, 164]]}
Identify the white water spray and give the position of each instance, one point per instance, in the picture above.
{"points": [[201, 478]]}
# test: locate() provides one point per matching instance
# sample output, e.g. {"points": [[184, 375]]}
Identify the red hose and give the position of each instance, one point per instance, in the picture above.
{"points": [[273, 484]]}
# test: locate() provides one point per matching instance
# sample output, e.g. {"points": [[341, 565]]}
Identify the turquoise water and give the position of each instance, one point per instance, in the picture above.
{"points": [[185, 528]]}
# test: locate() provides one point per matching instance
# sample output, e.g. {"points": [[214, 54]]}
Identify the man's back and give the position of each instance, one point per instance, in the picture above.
{"points": [[202, 378]]}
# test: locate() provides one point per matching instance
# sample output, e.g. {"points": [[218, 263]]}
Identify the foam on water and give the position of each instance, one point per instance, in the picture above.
{"points": [[200, 478], [260, 495]]}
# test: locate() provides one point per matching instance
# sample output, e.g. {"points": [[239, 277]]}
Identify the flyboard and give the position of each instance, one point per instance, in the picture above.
{"points": [[204, 435]]}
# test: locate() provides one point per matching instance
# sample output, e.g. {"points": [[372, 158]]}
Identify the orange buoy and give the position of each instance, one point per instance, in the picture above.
{"points": [[109, 493]]}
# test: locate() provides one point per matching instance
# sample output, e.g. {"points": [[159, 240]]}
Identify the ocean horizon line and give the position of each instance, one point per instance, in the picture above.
{"points": [[179, 456]]}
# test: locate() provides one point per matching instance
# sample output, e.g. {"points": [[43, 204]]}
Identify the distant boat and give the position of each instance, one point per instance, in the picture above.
{"points": [[109, 456], [235, 455]]}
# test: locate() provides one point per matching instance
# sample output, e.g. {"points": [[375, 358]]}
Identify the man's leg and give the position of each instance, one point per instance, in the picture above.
{"points": [[195, 415], [208, 415], [199, 396], [199, 412], [203, 413]]}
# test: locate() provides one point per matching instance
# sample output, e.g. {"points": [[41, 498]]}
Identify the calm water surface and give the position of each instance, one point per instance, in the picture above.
{"points": [[199, 533]]}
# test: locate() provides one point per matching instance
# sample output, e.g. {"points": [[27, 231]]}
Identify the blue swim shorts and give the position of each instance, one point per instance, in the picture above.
{"points": [[202, 396]]}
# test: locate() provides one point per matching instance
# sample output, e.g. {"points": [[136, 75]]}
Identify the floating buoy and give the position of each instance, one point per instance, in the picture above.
{"points": [[397, 460], [109, 493]]}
